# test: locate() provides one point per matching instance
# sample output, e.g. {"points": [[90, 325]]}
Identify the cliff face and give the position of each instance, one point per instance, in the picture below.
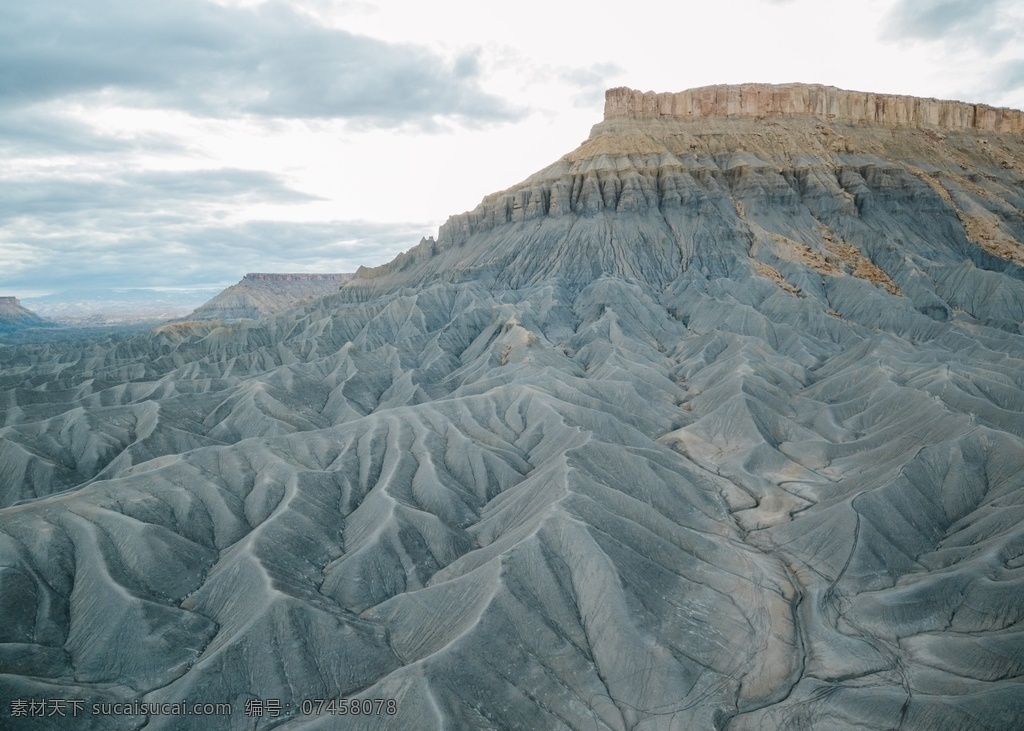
{"points": [[824, 102], [722, 179]]}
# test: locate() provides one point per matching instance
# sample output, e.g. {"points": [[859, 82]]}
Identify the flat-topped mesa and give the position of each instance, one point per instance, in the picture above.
{"points": [[15, 317], [265, 293], [826, 102], [299, 277]]}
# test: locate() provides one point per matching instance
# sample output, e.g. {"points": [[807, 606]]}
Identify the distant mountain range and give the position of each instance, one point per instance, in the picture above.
{"points": [[256, 295], [95, 307]]}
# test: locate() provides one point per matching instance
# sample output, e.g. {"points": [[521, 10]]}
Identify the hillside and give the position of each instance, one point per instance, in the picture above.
{"points": [[14, 317], [263, 294]]}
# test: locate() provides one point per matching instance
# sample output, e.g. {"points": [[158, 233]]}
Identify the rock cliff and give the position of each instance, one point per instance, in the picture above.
{"points": [[824, 102], [15, 317], [649, 195]]}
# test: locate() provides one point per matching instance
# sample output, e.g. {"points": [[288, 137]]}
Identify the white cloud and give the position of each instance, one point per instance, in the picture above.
{"points": [[223, 61], [976, 44]]}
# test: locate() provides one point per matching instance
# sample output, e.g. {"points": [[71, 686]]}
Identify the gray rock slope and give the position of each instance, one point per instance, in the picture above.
{"points": [[14, 317], [715, 423], [264, 294]]}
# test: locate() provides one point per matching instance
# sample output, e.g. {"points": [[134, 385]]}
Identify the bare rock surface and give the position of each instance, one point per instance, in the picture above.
{"points": [[714, 423], [260, 294], [825, 102], [13, 316]]}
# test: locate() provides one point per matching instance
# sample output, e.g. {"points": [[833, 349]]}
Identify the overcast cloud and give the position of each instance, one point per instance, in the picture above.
{"points": [[964, 28], [146, 194], [212, 60], [166, 250], [953, 20], [82, 203], [46, 132]]}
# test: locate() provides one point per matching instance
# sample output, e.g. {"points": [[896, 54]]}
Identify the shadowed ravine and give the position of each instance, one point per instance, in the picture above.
{"points": [[717, 422]]}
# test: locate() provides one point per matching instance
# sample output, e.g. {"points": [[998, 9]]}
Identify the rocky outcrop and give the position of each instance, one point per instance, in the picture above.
{"points": [[15, 317], [261, 294], [648, 195], [824, 102]]}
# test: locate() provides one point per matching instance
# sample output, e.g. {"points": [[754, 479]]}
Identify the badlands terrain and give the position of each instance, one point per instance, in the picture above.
{"points": [[716, 422]]}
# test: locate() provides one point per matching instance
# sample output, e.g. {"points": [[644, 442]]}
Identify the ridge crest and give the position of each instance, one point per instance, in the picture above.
{"points": [[816, 100]]}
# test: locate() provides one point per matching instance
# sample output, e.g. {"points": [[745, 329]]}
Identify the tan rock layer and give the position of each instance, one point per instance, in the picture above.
{"points": [[303, 277], [826, 102]]}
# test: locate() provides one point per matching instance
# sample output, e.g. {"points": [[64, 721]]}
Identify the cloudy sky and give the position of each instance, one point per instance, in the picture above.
{"points": [[186, 142]]}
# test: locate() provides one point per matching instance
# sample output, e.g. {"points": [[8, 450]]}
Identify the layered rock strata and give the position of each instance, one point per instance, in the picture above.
{"points": [[825, 102], [646, 197]]}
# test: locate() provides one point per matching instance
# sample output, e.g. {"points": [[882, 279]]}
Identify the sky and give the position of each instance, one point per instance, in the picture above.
{"points": [[183, 143]]}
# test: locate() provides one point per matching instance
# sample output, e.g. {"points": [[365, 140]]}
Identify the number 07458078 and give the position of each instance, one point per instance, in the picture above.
{"points": [[349, 707]]}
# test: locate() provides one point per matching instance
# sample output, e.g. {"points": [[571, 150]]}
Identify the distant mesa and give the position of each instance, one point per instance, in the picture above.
{"points": [[337, 279], [15, 317], [260, 294]]}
